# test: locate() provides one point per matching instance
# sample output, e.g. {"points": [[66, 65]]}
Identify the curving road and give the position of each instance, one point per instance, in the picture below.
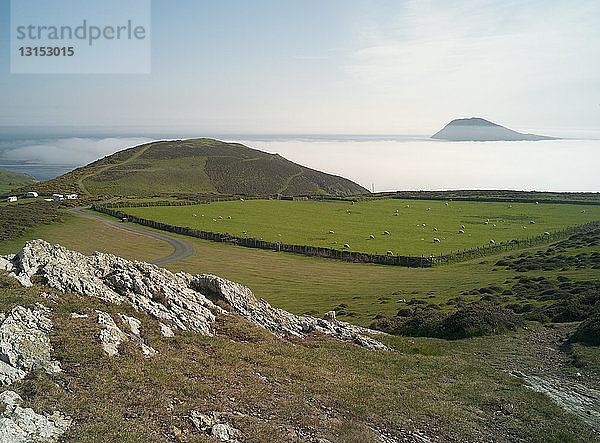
{"points": [[182, 248]]}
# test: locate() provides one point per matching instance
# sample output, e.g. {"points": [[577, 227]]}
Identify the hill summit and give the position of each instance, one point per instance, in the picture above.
{"points": [[479, 129], [199, 166]]}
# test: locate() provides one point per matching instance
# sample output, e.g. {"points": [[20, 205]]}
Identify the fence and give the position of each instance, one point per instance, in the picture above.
{"points": [[352, 256]]}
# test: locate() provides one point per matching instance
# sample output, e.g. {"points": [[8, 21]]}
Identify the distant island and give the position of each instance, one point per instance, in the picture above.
{"points": [[480, 130]]}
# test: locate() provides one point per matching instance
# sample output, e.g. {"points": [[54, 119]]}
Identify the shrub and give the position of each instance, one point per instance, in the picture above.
{"points": [[588, 331]]}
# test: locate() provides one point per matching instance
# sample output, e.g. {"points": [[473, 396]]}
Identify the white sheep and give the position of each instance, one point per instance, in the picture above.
{"points": [[462, 226], [532, 222], [386, 233], [346, 245], [331, 232], [486, 223], [407, 206], [245, 233], [446, 203], [396, 210], [389, 253], [423, 224], [510, 206], [494, 225], [229, 217], [194, 215], [220, 218], [546, 233], [396, 214], [436, 240], [371, 237], [492, 242], [435, 229], [582, 211], [429, 209], [460, 231]]}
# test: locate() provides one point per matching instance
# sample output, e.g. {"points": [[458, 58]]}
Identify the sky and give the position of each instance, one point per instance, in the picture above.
{"points": [[335, 66]]}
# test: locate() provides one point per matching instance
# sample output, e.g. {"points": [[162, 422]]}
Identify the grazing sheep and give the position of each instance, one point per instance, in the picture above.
{"points": [[329, 315], [331, 232], [423, 224], [524, 227], [407, 206], [510, 206], [492, 242], [486, 223], [229, 217], [460, 231], [386, 233], [429, 209], [436, 240], [194, 215], [241, 199], [220, 218], [396, 210], [389, 253], [494, 225], [532, 222], [435, 229], [537, 203], [371, 237], [245, 233], [446, 203], [462, 226], [582, 211], [396, 214], [487, 219], [546, 233], [278, 235], [346, 245], [214, 219]]}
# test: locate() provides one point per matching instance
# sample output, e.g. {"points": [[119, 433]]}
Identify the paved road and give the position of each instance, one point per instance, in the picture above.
{"points": [[182, 248]]}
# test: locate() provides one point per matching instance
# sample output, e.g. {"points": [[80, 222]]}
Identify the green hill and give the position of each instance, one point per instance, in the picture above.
{"points": [[198, 166], [11, 180]]}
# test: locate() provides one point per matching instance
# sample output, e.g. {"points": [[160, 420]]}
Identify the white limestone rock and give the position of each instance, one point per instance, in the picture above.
{"points": [[19, 424], [25, 343]]}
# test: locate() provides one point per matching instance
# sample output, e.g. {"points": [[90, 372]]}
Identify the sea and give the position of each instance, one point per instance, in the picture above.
{"points": [[377, 162]]}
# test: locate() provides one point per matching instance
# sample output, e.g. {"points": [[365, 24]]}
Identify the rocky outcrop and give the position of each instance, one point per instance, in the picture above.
{"points": [[112, 336], [20, 425], [278, 321], [25, 343], [180, 301]]}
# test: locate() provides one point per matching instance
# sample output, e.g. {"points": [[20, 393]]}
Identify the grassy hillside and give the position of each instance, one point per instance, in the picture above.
{"points": [[10, 180], [197, 166], [411, 232]]}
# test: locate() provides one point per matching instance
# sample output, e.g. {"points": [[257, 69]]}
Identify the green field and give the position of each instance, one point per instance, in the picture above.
{"points": [[411, 232]]}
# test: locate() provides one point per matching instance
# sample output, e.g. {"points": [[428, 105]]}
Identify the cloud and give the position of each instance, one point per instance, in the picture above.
{"points": [[74, 151]]}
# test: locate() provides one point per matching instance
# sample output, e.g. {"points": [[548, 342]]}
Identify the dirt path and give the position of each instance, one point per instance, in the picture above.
{"points": [[182, 248]]}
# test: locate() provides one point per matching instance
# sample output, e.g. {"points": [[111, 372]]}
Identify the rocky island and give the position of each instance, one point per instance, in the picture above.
{"points": [[479, 130]]}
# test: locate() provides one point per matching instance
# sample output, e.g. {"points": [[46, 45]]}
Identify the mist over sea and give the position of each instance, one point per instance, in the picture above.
{"points": [[382, 163]]}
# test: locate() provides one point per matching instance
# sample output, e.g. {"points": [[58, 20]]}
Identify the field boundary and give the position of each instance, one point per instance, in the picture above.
{"points": [[352, 256]]}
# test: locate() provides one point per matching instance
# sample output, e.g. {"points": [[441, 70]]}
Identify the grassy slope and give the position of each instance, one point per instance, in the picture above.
{"points": [[308, 222], [317, 386], [197, 166], [87, 236], [456, 390], [10, 180]]}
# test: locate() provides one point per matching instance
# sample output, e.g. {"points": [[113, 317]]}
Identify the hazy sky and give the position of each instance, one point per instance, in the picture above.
{"points": [[335, 66]]}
